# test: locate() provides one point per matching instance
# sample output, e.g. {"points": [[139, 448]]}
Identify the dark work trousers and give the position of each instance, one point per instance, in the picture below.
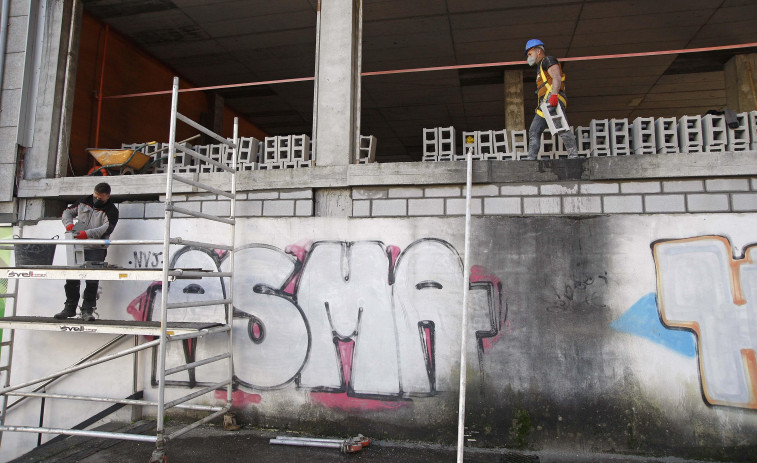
{"points": [[90, 289]]}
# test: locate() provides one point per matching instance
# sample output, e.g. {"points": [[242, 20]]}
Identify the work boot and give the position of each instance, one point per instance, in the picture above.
{"points": [[87, 315], [67, 312]]}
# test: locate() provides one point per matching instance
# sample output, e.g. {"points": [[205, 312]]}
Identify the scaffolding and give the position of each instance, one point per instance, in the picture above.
{"points": [[163, 330]]}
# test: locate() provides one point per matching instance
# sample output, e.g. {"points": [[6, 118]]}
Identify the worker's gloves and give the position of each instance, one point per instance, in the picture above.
{"points": [[553, 101], [69, 227], [82, 235]]}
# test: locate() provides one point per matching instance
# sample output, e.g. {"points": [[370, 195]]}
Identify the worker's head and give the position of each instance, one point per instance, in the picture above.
{"points": [[534, 51], [101, 194]]}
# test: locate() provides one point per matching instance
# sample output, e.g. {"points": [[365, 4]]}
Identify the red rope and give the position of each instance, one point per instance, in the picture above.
{"points": [[447, 68]]}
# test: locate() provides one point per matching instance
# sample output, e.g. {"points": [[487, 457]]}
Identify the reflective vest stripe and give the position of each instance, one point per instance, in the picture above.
{"points": [[548, 86]]}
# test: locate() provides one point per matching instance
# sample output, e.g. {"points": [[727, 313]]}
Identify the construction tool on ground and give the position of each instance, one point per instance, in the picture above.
{"points": [[555, 117], [349, 445]]}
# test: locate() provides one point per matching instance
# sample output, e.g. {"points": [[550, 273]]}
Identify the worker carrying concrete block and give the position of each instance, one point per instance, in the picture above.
{"points": [[551, 96]]}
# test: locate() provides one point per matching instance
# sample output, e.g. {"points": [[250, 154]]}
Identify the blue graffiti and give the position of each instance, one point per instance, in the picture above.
{"points": [[643, 320]]}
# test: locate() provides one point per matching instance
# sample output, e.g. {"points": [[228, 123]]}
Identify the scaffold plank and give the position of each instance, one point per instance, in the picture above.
{"points": [[75, 325]]}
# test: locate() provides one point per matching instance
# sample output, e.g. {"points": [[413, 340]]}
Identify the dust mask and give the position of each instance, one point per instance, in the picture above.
{"points": [[531, 60]]}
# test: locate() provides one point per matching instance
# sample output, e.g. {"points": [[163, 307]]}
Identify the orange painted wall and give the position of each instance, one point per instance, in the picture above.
{"points": [[128, 69]]}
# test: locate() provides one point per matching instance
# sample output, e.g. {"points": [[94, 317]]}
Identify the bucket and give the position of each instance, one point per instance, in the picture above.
{"points": [[34, 254]]}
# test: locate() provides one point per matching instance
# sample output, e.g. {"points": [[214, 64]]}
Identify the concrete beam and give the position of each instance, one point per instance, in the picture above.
{"points": [[668, 166], [741, 83]]}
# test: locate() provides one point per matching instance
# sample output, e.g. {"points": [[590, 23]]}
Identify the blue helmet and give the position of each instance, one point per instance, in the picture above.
{"points": [[531, 44]]}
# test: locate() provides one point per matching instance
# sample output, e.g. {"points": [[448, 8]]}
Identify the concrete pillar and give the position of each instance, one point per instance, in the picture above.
{"points": [[514, 113], [741, 83], [336, 118]]}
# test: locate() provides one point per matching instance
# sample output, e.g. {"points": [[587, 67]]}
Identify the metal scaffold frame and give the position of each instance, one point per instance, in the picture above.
{"points": [[164, 330]]}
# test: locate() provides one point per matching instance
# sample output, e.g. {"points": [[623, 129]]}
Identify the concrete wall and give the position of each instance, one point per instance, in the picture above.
{"points": [[602, 329]]}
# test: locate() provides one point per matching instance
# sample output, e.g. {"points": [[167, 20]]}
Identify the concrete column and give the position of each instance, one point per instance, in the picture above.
{"points": [[336, 118], [741, 82], [514, 113]]}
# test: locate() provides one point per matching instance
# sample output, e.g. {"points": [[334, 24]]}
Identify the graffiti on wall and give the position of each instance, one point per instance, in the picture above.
{"points": [[354, 323], [703, 289]]}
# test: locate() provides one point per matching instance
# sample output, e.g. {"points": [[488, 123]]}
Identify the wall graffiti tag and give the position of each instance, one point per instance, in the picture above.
{"points": [[702, 288], [349, 321]]}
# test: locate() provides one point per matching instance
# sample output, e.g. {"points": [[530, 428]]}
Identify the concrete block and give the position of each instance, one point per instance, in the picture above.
{"points": [[482, 190], [690, 139], [547, 146], [367, 152], [754, 183], [447, 145], [361, 208], [623, 204], [582, 204], [502, 145], [306, 193], [10, 106], [727, 184], [17, 33], [456, 206], [666, 135], [640, 187], [191, 205], [405, 192], [739, 138], [485, 140], [664, 203], [270, 150], [519, 141], [249, 208], [13, 75], [389, 207], [502, 206], [548, 205], [600, 137], [284, 148], [196, 197], [583, 140], [218, 208], [303, 208], [753, 130], [247, 153], [559, 189], [676, 186], [431, 144], [129, 210], [442, 191], [369, 193], [300, 149], [426, 206], [7, 181], [620, 137], [309, 163], [743, 202], [263, 195], [518, 190], [599, 188], [643, 136], [707, 202], [714, 133], [155, 210], [470, 142], [278, 208]]}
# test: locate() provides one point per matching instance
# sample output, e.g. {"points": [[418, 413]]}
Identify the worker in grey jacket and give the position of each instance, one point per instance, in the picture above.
{"points": [[96, 218]]}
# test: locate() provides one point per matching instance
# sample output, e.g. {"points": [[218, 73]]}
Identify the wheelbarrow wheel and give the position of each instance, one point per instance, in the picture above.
{"points": [[127, 170]]}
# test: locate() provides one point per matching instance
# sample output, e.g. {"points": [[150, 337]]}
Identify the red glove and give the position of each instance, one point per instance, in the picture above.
{"points": [[82, 235], [553, 101], [69, 227]]}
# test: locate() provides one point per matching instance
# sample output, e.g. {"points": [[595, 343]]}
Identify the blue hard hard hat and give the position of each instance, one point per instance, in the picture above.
{"points": [[531, 44]]}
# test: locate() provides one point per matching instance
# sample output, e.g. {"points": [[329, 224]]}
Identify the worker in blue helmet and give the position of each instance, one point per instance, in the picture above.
{"points": [[550, 87]]}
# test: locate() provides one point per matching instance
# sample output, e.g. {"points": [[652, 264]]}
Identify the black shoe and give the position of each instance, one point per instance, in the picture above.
{"points": [[87, 316], [67, 312]]}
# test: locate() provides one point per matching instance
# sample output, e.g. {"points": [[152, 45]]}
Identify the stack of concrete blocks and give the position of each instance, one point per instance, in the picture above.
{"points": [[472, 141], [600, 138], [367, 150], [714, 133], [753, 129], [149, 150], [583, 140], [620, 137], [666, 135], [519, 143], [439, 144], [547, 146], [299, 155], [738, 138], [501, 146], [642, 136], [285, 152], [690, 138]]}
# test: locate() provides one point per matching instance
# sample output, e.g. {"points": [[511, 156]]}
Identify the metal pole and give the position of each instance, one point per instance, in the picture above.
{"points": [[230, 305], [464, 334]]}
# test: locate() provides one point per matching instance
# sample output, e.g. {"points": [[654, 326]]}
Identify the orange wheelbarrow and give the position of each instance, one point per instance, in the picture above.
{"points": [[127, 161]]}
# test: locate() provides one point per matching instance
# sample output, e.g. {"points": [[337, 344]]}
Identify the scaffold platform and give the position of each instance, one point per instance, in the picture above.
{"points": [[77, 325]]}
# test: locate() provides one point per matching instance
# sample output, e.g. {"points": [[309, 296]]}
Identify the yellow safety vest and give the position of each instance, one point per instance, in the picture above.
{"points": [[547, 86]]}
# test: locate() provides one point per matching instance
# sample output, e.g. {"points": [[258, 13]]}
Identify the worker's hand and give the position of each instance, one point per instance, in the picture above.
{"points": [[69, 227], [553, 100], [82, 235]]}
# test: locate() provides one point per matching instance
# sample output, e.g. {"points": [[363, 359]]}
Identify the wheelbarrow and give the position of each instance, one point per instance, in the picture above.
{"points": [[127, 161]]}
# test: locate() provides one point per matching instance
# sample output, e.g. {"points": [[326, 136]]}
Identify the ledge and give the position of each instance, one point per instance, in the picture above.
{"points": [[647, 167]]}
